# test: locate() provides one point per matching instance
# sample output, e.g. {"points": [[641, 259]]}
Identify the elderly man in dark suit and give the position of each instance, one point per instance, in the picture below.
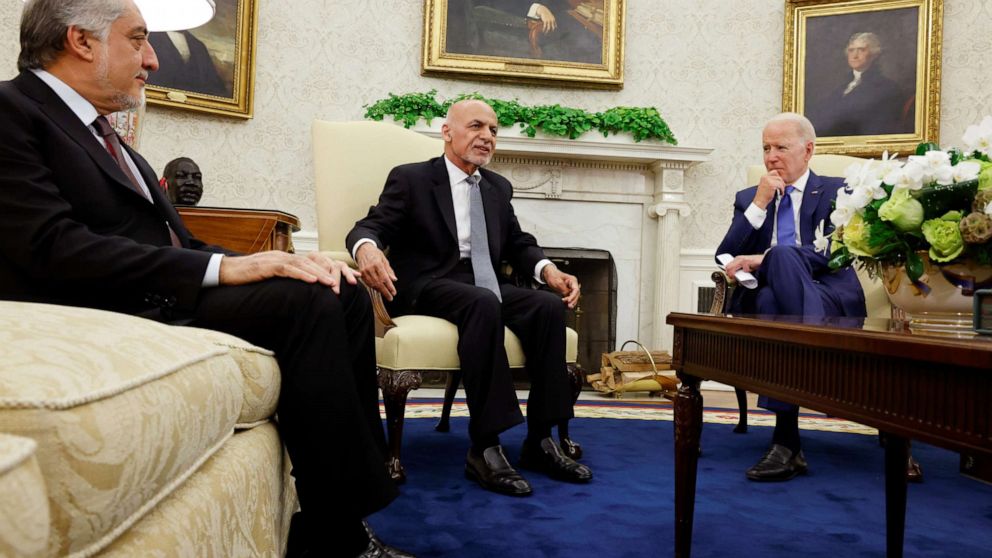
{"points": [[448, 224], [85, 224], [772, 234]]}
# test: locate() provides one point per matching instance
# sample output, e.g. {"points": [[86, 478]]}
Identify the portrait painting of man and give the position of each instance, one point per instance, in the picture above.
{"points": [[200, 60], [861, 71], [556, 30]]}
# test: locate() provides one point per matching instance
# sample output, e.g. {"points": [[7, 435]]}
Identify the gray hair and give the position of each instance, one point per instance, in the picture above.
{"points": [[870, 39], [44, 24], [803, 125]]}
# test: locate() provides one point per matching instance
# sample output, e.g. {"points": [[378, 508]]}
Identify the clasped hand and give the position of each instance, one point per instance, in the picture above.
{"points": [[313, 267], [562, 283]]}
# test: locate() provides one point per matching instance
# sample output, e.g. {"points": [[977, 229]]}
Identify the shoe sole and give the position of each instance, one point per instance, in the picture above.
{"points": [[794, 474], [470, 474], [539, 469]]}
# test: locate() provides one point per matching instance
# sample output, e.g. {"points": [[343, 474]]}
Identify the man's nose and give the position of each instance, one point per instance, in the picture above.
{"points": [[149, 59]]}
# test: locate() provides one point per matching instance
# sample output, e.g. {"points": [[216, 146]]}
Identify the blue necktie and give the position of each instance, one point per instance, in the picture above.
{"points": [[785, 219], [482, 265]]}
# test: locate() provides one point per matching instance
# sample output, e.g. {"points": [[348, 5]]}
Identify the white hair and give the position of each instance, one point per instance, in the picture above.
{"points": [[803, 125]]}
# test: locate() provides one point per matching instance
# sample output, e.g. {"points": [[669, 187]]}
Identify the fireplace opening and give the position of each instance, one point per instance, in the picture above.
{"points": [[594, 317]]}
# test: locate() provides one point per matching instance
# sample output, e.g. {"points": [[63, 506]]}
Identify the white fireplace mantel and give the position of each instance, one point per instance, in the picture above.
{"points": [[613, 194]]}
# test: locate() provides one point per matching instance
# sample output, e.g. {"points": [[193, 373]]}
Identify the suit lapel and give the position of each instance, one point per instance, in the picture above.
{"points": [[442, 194], [812, 198], [64, 118]]}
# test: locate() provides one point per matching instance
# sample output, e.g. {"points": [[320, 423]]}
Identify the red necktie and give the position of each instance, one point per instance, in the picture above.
{"points": [[117, 153]]}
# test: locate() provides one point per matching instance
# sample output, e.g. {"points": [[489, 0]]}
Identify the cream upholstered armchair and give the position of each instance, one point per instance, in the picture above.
{"points": [[351, 162], [876, 301]]}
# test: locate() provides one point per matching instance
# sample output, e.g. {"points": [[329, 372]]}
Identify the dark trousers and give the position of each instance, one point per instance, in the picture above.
{"points": [[328, 409], [536, 317]]}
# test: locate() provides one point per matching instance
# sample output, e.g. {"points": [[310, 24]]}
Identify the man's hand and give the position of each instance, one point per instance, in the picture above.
{"points": [[748, 263], [562, 283], [548, 21], [375, 269], [769, 185], [310, 268]]}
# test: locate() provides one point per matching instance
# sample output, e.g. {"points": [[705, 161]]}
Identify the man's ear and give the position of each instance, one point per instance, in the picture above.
{"points": [[445, 132], [79, 43]]}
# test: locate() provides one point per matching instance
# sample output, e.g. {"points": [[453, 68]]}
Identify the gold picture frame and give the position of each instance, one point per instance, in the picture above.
{"points": [[210, 68], [571, 43], [894, 103]]}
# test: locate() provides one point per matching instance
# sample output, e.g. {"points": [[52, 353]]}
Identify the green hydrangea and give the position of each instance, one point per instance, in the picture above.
{"points": [[903, 210], [944, 238]]}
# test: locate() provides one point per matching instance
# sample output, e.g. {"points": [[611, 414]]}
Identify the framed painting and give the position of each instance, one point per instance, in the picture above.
{"points": [[559, 42], [865, 72], [210, 68]]}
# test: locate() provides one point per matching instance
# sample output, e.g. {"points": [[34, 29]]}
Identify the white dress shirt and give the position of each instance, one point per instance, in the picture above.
{"points": [[87, 113], [756, 216]]}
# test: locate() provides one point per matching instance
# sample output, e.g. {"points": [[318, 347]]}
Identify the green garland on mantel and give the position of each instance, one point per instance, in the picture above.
{"points": [[554, 120]]}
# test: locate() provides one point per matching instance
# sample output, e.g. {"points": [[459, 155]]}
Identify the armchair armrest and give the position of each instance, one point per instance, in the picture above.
{"points": [[383, 322], [723, 285]]}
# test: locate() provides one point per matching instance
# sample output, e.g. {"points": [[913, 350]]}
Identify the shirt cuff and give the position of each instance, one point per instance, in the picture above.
{"points": [[211, 278], [755, 215], [354, 249], [532, 12], [539, 268]]}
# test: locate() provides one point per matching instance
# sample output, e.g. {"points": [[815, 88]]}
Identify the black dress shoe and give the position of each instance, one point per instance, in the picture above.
{"points": [[778, 464], [493, 472], [914, 473], [547, 457], [379, 549]]}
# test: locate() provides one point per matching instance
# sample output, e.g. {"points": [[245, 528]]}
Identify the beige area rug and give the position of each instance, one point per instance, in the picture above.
{"points": [[648, 410]]}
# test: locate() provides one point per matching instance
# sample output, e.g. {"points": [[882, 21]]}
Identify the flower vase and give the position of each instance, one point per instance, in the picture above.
{"points": [[942, 299]]}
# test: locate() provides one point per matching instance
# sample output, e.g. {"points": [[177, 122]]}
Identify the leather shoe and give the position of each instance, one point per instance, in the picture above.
{"points": [[913, 471], [493, 472], [379, 549], [546, 457], [778, 464]]}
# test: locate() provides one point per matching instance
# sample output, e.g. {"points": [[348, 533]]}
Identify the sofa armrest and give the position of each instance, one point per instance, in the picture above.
{"points": [[24, 513]]}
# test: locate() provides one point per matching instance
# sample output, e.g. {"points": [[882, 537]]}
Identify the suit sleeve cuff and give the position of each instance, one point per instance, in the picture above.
{"points": [[354, 249], [755, 215], [211, 278], [539, 268]]}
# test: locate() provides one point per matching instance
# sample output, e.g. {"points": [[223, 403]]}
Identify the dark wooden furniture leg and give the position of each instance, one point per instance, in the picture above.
{"points": [[688, 426], [741, 427], [569, 446], [896, 454], [396, 385], [450, 389]]}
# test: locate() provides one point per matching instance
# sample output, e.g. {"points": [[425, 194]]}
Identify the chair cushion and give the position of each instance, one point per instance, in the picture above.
{"points": [[123, 410], [259, 371], [23, 502], [428, 343]]}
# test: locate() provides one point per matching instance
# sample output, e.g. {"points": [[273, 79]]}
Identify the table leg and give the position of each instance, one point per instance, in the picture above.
{"points": [[688, 425], [896, 454]]}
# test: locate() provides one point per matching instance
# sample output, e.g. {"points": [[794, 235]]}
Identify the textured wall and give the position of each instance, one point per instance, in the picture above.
{"points": [[713, 68]]}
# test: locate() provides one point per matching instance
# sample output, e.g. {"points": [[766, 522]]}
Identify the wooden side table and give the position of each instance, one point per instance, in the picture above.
{"points": [[242, 230]]}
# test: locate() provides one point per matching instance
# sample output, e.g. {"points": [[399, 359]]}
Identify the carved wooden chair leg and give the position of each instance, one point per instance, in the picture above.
{"points": [[396, 386], [450, 389], [570, 447], [742, 405]]}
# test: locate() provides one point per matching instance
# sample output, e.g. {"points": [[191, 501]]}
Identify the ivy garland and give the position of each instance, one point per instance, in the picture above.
{"points": [[554, 120]]}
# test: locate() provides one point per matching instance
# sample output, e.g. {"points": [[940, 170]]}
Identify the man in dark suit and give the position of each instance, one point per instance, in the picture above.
{"points": [[448, 224], [772, 235], [865, 102], [85, 224]]}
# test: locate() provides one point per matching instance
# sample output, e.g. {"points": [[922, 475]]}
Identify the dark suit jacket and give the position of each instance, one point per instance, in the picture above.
{"points": [[743, 239], [198, 74], [415, 221], [73, 229], [874, 107]]}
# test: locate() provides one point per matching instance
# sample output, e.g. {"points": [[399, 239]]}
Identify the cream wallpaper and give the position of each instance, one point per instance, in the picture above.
{"points": [[713, 68]]}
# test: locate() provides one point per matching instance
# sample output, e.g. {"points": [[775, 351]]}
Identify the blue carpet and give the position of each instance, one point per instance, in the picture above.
{"points": [[627, 511]]}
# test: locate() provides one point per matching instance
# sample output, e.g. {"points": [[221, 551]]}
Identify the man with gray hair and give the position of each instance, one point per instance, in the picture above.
{"points": [[865, 102], [85, 224], [772, 236]]}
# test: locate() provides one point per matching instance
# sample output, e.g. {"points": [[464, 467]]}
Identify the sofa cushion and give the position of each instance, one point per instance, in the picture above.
{"points": [[23, 502], [258, 370], [123, 410], [428, 343]]}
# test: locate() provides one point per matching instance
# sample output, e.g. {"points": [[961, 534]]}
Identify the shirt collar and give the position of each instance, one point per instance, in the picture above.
{"points": [[857, 74], [456, 175], [83, 109], [800, 183]]}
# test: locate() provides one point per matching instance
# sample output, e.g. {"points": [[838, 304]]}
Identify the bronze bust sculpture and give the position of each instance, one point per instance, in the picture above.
{"points": [[183, 181]]}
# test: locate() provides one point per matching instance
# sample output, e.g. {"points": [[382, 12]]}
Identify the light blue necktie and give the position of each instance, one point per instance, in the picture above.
{"points": [[482, 264], [786, 220]]}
